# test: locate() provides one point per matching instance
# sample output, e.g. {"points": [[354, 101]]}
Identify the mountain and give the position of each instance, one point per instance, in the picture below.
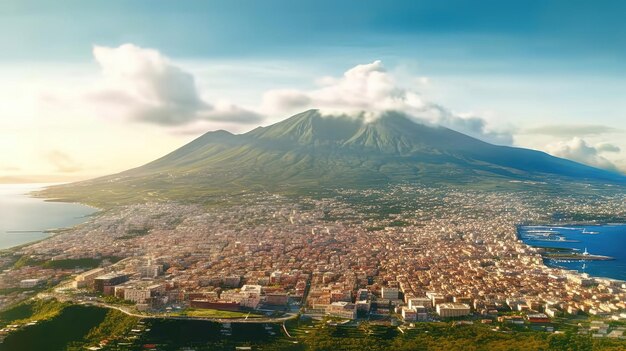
{"points": [[312, 152]]}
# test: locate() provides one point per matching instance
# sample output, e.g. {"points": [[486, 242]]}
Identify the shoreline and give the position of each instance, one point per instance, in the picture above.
{"points": [[49, 232], [568, 255]]}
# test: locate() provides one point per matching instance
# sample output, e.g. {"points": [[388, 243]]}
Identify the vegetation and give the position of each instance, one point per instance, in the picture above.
{"points": [[445, 337], [62, 326], [37, 310], [71, 327], [115, 325], [114, 300]]}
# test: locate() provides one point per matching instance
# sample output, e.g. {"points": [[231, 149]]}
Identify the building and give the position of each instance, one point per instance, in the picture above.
{"points": [[151, 271], [580, 279], [462, 299], [85, 279], [106, 283], [363, 305], [341, 309], [141, 294], [232, 281], [419, 301], [448, 310], [277, 299], [409, 314], [551, 312], [389, 293], [538, 318], [436, 299], [275, 277], [248, 296], [362, 295]]}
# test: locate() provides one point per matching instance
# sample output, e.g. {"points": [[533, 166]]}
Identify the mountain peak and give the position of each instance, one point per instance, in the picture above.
{"points": [[313, 151], [310, 127]]}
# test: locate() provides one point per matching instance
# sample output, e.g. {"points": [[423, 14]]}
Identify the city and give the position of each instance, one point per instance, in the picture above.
{"points": [[447, 254]]}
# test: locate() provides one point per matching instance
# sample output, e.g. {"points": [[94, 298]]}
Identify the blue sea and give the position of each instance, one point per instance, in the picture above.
{"points": [[32, 216], [605, 240]]}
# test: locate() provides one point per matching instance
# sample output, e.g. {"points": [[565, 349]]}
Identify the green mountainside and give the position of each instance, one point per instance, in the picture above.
{"points": [[309, 152]]}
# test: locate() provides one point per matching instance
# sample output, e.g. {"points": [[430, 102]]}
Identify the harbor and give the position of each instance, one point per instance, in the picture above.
{"points": [[593, 249]]}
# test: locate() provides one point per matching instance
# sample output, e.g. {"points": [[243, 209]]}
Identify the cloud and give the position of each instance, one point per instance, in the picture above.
{"points": [[578, 150], [62, 162], [371, 88], [570, 131], [152, 89], [607, 147]]}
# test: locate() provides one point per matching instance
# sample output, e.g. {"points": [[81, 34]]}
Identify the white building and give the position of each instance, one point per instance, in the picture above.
{"points": [[447, 310]]}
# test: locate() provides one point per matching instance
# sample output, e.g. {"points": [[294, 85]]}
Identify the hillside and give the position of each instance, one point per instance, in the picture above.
{"points": [[308, 152]]}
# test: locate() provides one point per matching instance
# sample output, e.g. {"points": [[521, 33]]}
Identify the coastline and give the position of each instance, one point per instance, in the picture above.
{"points": [[553, 255], [30, 192]]}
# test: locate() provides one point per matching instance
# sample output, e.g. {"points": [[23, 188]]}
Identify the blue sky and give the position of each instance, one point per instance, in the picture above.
{"points": [[576, 32], [525, 67]]}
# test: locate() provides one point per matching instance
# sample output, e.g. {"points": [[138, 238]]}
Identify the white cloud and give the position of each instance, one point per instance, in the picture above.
{"points": [[579, 150], [146, 86], [371, 88], [607, 147]]}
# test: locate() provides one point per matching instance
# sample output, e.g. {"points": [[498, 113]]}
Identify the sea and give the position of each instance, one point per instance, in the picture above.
{"points": [[25, 219], [601, 239]]}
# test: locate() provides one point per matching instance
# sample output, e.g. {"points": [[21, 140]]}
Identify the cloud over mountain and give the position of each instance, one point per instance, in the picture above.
{"points": [[577, 149], [371, 88], [154, 90]]}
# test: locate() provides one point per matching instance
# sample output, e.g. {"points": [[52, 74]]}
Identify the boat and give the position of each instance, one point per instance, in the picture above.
{"points": [[585, 231]]}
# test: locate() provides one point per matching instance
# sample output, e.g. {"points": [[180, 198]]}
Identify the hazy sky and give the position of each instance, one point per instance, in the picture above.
{"points": [[89, 88]]}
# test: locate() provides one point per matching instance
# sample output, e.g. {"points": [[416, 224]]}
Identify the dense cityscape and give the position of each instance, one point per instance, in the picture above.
{"points": [[434, 255]]}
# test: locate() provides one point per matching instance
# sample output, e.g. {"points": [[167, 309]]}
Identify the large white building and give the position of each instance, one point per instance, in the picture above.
{"points": [[447, 310]]}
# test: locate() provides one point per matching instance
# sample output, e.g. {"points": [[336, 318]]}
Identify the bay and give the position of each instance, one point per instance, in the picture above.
{"points": [[604, 240], [24, 219]]}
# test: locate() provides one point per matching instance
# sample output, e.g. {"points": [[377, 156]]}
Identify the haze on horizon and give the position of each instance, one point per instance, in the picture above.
{"points": [[90, 89]]}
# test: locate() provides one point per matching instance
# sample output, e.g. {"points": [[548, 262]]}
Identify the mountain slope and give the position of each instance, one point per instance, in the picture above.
{"points": [[311, 152]]}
